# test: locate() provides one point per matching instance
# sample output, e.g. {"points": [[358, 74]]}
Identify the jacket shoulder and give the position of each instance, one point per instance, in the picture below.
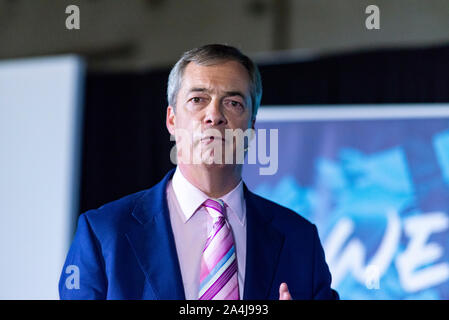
{"points": [[115, 215], [120, 215]]}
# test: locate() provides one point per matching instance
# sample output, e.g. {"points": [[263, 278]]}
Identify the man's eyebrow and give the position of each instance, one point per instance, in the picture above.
{"points": [[195, 89], [235, 93], [227, 93]]}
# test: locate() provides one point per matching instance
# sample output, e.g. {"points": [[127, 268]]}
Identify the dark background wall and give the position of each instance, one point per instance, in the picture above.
{"points": [[141, 34], [309, 52]]}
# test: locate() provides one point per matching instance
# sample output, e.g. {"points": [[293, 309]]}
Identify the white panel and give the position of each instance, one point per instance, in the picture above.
{"points": [[353, 112], [40, 116]]}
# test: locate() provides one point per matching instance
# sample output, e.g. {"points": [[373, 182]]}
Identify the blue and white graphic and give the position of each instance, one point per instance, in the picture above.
{"points": [[375, 181]]}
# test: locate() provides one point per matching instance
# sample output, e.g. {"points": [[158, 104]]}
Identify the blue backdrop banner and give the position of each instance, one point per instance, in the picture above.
{"points": [[375, 181]]}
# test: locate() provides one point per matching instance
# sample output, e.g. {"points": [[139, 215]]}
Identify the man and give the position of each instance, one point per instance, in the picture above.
{"points": [[199, 233]]}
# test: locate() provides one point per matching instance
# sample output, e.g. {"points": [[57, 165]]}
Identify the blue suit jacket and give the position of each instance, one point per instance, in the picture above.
{"points": [[126, 250]]}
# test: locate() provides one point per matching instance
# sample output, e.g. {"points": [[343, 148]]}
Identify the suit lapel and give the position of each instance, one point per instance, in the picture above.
{"points": [[154, 247], [153, 243], [263, 247]]}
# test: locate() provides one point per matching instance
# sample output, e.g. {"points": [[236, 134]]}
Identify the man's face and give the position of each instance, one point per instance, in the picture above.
{"points": [[210, 100]]}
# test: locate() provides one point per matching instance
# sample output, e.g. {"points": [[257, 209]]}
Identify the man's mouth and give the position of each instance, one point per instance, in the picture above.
{"points": [[210, 139]]}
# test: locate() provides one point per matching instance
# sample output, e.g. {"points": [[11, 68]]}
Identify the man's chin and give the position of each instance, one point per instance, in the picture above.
{"points": [[217, 165], [214, 164]]}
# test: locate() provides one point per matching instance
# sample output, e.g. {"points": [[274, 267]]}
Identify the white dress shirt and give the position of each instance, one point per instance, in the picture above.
{"points": [[191, 225]]}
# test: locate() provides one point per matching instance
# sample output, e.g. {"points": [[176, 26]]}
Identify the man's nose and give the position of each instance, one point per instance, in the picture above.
{"points": [[214, 114]]}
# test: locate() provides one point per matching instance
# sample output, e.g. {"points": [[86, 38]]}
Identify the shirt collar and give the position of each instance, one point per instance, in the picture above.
{"points": [[190, 197]]}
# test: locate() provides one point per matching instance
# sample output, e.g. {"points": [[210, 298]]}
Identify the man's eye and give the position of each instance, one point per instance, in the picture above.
{"points": [[235, 104], [197, 99]]}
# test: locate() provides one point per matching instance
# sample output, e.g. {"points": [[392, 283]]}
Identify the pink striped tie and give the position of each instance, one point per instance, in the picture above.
{"points": [[218, 275]]}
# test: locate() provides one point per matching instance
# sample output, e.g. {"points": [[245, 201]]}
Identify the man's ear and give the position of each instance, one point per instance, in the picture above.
{"points": [[170, 120]]}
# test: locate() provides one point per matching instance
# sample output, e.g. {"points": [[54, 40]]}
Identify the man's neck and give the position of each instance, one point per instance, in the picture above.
{"points": [[214, 181]]}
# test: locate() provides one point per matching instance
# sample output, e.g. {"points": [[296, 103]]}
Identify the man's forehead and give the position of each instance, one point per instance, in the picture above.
{"points": [[229, 76]]}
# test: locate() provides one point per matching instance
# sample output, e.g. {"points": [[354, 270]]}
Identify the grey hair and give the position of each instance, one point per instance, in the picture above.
{"points": [[213, 54]]}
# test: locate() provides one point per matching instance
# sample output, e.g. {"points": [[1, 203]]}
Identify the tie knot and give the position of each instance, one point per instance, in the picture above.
{"points": [[215, 207]]}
